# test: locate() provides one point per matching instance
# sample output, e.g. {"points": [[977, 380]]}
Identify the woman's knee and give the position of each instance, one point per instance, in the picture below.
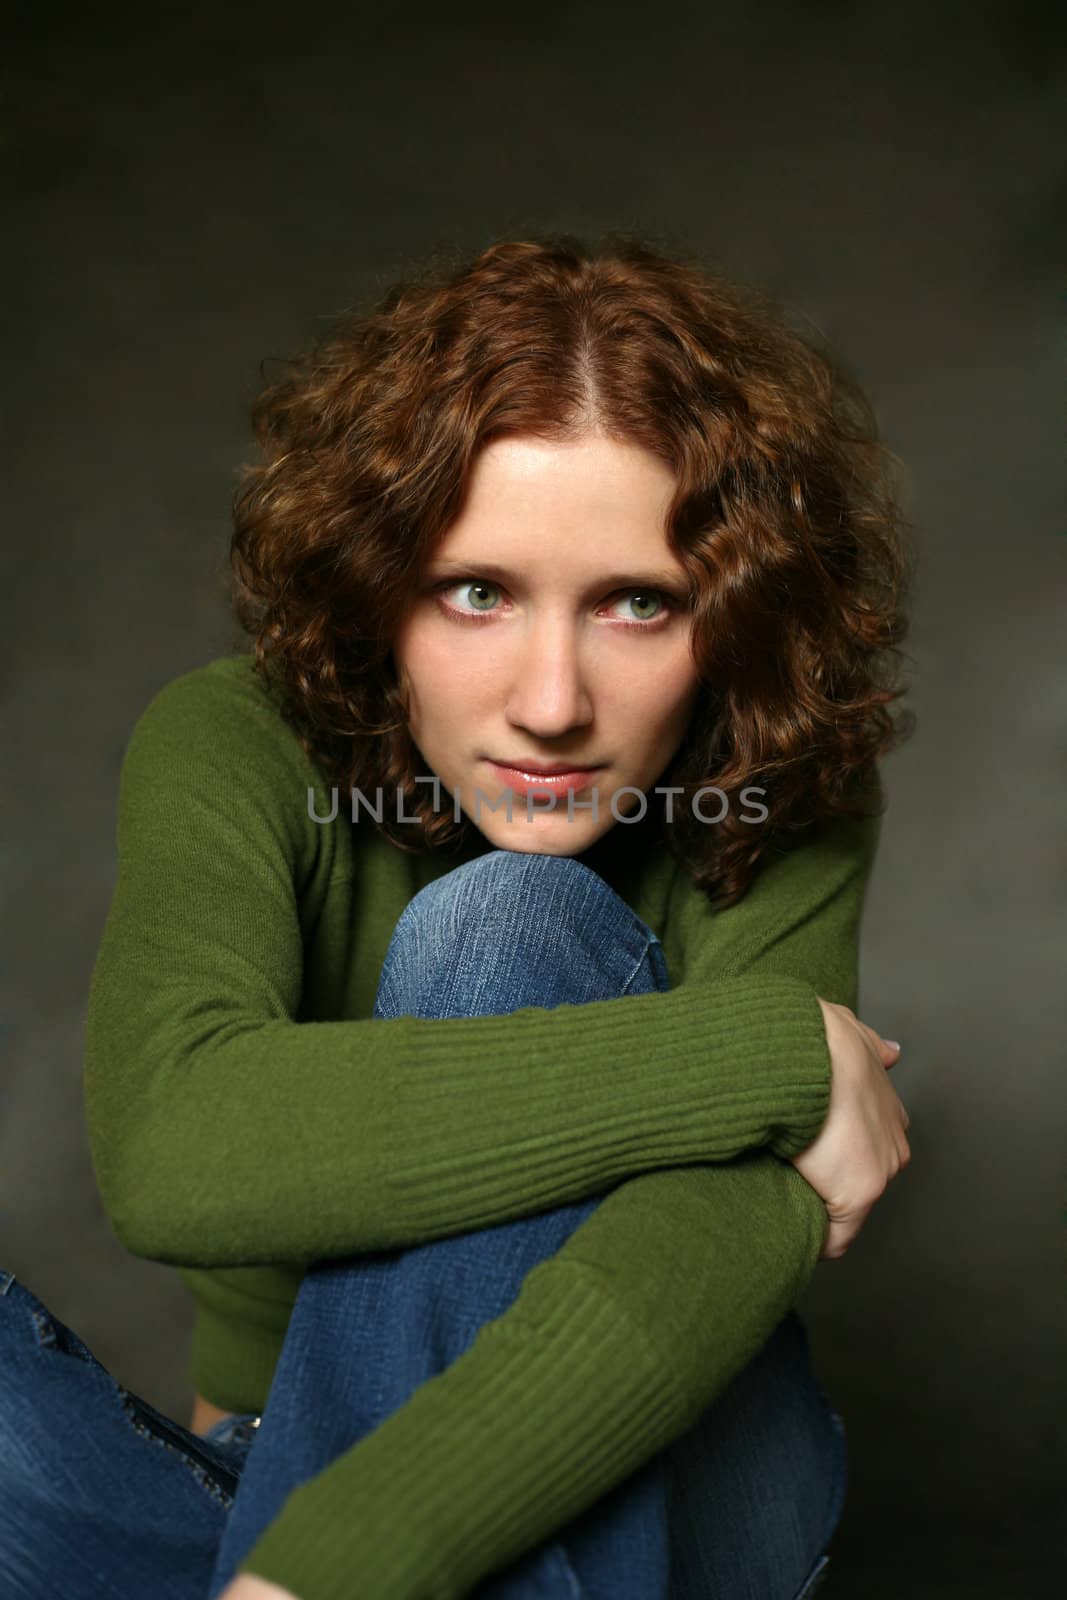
{"points": [[510, 929], [490, 890]]}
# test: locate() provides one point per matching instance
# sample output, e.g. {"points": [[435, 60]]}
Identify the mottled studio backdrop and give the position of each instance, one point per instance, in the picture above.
{"points": [[192, 191]]}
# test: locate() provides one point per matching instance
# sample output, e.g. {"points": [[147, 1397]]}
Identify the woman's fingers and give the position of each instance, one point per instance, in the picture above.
{"points": [[888, 1049], [862, 1145]]}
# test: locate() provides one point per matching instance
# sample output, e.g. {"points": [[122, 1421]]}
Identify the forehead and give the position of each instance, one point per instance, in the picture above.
{"points": [[586, 499]]}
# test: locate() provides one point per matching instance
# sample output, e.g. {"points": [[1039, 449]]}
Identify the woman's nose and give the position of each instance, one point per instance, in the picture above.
{"points": [[550, 693]]}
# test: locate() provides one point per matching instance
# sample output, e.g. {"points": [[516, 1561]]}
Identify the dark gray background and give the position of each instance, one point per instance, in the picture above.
{"points": [[191, 195]]}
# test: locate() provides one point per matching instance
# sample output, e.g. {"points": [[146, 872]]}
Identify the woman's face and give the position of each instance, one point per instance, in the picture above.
{"points": [[549, 628]]}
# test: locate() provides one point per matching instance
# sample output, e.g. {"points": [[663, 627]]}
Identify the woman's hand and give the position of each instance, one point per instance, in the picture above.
{"points": [[246, 1586], [862, 1143]]}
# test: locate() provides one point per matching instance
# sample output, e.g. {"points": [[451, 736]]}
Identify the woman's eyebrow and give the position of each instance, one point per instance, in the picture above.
{"points": [[622, 580]]}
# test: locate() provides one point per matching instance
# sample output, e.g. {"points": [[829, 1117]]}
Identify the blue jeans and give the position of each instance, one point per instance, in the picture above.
{"points": [[105, 1497]]}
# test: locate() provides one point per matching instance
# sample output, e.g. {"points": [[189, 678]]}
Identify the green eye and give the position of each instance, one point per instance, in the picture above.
{"points": [[648, 599], [481, 588]]}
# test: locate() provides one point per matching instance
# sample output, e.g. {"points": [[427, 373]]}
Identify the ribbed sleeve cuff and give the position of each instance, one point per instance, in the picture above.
{"points": [[420, 1508], [608, 1354], [697, 1074]]}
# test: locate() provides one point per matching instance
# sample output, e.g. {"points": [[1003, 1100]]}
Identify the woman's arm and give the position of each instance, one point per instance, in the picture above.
{"points": [[611, 1350], [614, 1345], [226, 1133]]}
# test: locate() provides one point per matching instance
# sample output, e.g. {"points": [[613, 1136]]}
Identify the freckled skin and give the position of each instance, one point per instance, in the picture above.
{"points": [[543, 666]]}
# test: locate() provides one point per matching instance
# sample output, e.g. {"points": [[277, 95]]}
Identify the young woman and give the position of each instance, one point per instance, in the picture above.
{"points": [[474, 1022]]}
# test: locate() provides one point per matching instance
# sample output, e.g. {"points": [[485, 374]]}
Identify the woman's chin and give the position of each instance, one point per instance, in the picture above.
{"points": [[545, 834]]}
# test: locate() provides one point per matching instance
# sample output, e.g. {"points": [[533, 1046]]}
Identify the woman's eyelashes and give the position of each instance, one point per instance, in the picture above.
{"points": [[667, 604]]}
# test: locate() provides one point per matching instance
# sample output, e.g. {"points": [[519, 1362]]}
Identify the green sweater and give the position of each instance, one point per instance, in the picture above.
{"points": [[247, 1115]]}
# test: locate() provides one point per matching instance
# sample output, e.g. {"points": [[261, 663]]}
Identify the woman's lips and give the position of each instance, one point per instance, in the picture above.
{"points": [[522, 780]]}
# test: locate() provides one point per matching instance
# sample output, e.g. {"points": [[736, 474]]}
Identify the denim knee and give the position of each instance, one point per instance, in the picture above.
{"points": [[486, 889], [512, 929]]}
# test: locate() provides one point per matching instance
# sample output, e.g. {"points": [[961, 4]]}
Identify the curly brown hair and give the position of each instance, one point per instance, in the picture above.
{"points": [[786, 518]]}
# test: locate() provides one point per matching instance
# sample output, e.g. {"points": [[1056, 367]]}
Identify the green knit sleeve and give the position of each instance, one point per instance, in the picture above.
{"points": [[614, 1345], [225, 1132]]}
